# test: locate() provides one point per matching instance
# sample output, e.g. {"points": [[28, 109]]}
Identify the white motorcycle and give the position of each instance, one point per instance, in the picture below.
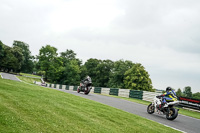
{"points": [[168, 109]]}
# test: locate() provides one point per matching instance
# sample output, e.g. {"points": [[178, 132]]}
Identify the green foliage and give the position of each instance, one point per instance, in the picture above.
{"points": [[117, 73], [17, 52], [41, 73], [187, 92], [68, 55], [98, 70], [137, 78], [91, 70], [103, 72], [71, 73], [1, 50], [16, 58], [47, 56], [12, 59], [196, 95], [1, 54], [179, 93], [27, 63]]}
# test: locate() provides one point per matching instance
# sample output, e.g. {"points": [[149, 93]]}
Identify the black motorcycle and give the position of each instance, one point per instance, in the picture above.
{"points": [[85, 86]]}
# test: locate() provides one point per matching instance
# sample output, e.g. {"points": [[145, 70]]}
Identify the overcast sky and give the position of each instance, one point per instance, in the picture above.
{"points": [[162, 35]]}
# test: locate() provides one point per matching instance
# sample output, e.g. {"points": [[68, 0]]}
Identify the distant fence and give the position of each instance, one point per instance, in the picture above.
{"points": [[189, 102], [137, 94]]}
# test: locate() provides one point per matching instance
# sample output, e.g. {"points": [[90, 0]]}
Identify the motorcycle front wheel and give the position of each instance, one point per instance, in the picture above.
{"points": [[78, 89], [172, 114], [150, 108], [87, 91]]}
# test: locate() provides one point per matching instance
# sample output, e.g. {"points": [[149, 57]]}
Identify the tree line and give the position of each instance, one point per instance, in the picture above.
{"points": [[187, 92], [66, 68]]}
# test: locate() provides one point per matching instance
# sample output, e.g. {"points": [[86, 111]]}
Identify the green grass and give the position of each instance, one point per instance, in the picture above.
{"points": [[181, 111], [28, 79], [189, 113], [29, 108], [30, 75]]}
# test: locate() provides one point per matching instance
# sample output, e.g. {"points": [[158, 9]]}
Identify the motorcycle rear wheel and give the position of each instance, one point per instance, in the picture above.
{"points": [[150, 109], [172, 114]]}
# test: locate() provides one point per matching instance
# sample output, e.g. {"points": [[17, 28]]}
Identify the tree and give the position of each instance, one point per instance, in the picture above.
{"points": [[137, 78], [196, 95], [55, 70], [117, 73], [27, 64], [46, 58], [179, 92], [8, 60], [69, 55], [71, 68], [11, 59], [187, 91], [103, 72], [19, 58], [1, 54], [71, 73], [91, 69]]}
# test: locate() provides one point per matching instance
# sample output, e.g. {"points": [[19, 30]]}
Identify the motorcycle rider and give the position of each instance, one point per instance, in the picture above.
{"points": [[87, 81], [168, 96]]}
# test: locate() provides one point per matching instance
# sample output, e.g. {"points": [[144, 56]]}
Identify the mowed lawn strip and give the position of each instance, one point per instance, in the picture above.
{"points": [[29, 108]]}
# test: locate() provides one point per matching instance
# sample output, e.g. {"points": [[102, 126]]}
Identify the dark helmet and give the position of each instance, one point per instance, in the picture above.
{"points": [[168, 89]]}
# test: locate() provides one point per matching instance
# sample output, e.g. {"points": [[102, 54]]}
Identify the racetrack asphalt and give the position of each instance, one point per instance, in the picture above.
{"points": [[9, 76], [182, 122]]}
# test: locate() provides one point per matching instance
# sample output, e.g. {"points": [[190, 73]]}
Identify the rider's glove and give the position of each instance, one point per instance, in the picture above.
{"points": [[160, 96]]}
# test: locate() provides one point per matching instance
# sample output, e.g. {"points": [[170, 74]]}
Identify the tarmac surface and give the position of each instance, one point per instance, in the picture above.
{"points": [[9, 76]]}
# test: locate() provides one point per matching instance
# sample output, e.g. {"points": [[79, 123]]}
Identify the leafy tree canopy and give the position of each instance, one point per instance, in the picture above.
{"points": [[137, 78], [117, 73]]}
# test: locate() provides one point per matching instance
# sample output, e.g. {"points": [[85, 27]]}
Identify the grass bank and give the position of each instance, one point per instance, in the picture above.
{"points": [[30, 80], [29, 108], [30, 75]]}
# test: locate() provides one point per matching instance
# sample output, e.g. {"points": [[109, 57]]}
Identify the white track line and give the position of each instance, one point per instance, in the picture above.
{"points": [[174, 128]]}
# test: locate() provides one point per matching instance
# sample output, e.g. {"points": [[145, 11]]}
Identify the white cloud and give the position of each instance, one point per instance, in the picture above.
{"points": [[88, 13]]}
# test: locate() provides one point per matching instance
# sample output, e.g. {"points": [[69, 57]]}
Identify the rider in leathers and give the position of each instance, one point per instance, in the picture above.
{"points": [[87, 81], [168, 96]]}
